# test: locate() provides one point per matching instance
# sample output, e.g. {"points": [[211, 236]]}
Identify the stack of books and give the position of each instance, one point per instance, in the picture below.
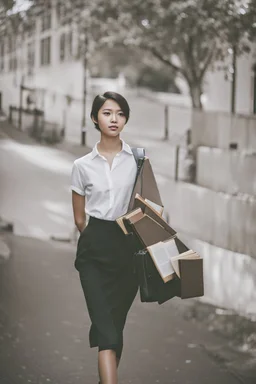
{"points": [[171, 257]]}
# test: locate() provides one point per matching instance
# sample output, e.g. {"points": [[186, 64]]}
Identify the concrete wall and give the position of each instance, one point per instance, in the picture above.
{"points": [[218, 85], [215, 129], [222, 230], [217, 218], [229, 277], [226, 171]]}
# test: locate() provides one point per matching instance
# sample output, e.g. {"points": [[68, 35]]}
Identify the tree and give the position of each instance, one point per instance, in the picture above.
{"points": [[187, 35], [238, 37]]}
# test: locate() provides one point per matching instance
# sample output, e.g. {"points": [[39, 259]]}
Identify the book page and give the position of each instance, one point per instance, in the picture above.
{"points": [[120, 222], [136, 217], [157, 207], [186, 255], [172, 251], [171, 248], [175, 265], [121, 225], [161, 260], [132, 213]]}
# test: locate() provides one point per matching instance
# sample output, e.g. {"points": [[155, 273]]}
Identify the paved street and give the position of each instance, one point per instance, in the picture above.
{"points": [[44, 328], [34, 191], [43, 320]]}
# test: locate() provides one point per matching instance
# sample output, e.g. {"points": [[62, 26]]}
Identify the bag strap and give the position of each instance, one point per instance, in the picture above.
{"points": [[139, 155]]}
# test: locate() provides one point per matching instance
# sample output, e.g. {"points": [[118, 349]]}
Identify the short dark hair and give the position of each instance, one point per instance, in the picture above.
{"points": [[100, 100]]}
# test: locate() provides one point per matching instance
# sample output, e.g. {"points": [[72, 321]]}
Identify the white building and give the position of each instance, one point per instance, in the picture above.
{"points": [[218, 86], [45, 58]]}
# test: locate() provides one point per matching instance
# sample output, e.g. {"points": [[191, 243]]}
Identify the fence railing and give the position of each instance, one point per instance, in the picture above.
{"points": [[32, 121], [223, 130]]}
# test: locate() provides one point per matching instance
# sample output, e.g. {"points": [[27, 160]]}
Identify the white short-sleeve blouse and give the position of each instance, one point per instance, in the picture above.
{"points": [[107, 191]]}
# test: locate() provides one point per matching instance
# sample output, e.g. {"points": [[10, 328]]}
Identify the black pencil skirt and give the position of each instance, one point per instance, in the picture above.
{"points": [[104, 261]]}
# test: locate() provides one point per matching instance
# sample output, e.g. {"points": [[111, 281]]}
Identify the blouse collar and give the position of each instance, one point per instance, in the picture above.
{"points": [[125, 148]]}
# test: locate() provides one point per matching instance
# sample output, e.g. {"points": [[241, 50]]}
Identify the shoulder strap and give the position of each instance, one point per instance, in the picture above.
{"points": [[139, 154]]}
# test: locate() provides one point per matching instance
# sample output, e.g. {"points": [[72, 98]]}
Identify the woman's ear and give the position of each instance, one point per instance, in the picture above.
{"points": [[94, 120]]}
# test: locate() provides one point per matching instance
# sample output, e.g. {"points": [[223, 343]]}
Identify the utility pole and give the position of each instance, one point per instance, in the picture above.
{"points": [[85, 65], [233, 83], [254, 88], [20, 107], [166, 122]]}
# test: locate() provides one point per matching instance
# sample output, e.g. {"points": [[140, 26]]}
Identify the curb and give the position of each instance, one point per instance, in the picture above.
{"points": [[60, 238], [5, 252], [71, 237], [5, 226]]}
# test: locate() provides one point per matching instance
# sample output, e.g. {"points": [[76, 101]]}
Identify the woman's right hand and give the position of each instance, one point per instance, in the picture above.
{"points": [[78, 203]]}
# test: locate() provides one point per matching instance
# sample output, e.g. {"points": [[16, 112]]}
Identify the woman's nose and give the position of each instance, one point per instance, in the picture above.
{"points": [[113, 119]]}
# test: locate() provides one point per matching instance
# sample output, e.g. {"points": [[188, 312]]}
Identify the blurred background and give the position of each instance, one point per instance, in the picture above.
{"points": [[188, 71]]}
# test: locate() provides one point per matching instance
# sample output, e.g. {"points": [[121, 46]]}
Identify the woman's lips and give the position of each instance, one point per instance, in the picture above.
{"points": [[113, 127]]}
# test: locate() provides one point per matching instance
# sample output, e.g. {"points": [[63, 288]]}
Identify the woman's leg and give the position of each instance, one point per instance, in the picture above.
{"points": [[107, 365]]}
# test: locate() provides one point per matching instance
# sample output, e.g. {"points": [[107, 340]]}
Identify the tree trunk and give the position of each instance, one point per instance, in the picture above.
{"points": [[195, 93]]}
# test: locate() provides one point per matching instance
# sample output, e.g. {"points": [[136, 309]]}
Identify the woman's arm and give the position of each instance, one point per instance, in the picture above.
{"points": [[78, 203]]}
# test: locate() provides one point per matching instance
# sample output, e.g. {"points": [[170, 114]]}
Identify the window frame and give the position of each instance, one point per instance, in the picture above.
{"points": [[45, 51]]}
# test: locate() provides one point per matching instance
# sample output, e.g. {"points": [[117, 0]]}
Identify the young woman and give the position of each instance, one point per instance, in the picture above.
{"points": [[102, 183]]}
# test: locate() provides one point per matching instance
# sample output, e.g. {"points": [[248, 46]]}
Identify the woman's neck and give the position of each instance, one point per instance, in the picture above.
{"points": [[110, 144]]}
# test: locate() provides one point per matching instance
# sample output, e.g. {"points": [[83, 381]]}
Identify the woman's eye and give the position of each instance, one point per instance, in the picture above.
{"points": [[121, 114], [106, 113]]}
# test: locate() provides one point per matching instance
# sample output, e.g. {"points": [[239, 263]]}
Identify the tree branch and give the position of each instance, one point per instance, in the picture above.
{"points": [[208, 61], [161, 58], [190, 59]]}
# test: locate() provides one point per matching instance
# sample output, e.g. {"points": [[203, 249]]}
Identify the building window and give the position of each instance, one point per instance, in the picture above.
{"points": [[2, 57], [62, 47], [46, 21], [31, 56], [10, 63], [64, 14], [70, 44], [13, 64], [66, 42], [31, 28], [46, 51], [10, 46]]}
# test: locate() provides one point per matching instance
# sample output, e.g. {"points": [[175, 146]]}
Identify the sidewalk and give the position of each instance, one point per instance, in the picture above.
{"points": [[46, 329], [236, 346], [7, 130]]}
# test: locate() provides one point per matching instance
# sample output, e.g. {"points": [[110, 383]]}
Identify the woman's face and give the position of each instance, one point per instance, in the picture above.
{"points": [[111, 119]]}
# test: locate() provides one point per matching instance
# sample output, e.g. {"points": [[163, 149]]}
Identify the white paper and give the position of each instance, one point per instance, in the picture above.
{"points": [[156, 207]]}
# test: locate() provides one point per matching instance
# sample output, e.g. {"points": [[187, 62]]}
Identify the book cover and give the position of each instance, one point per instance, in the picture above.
{"points": [[191, 278], [149, 231], [146, 186], [120, 220], [160, 220], [140, 202]]}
